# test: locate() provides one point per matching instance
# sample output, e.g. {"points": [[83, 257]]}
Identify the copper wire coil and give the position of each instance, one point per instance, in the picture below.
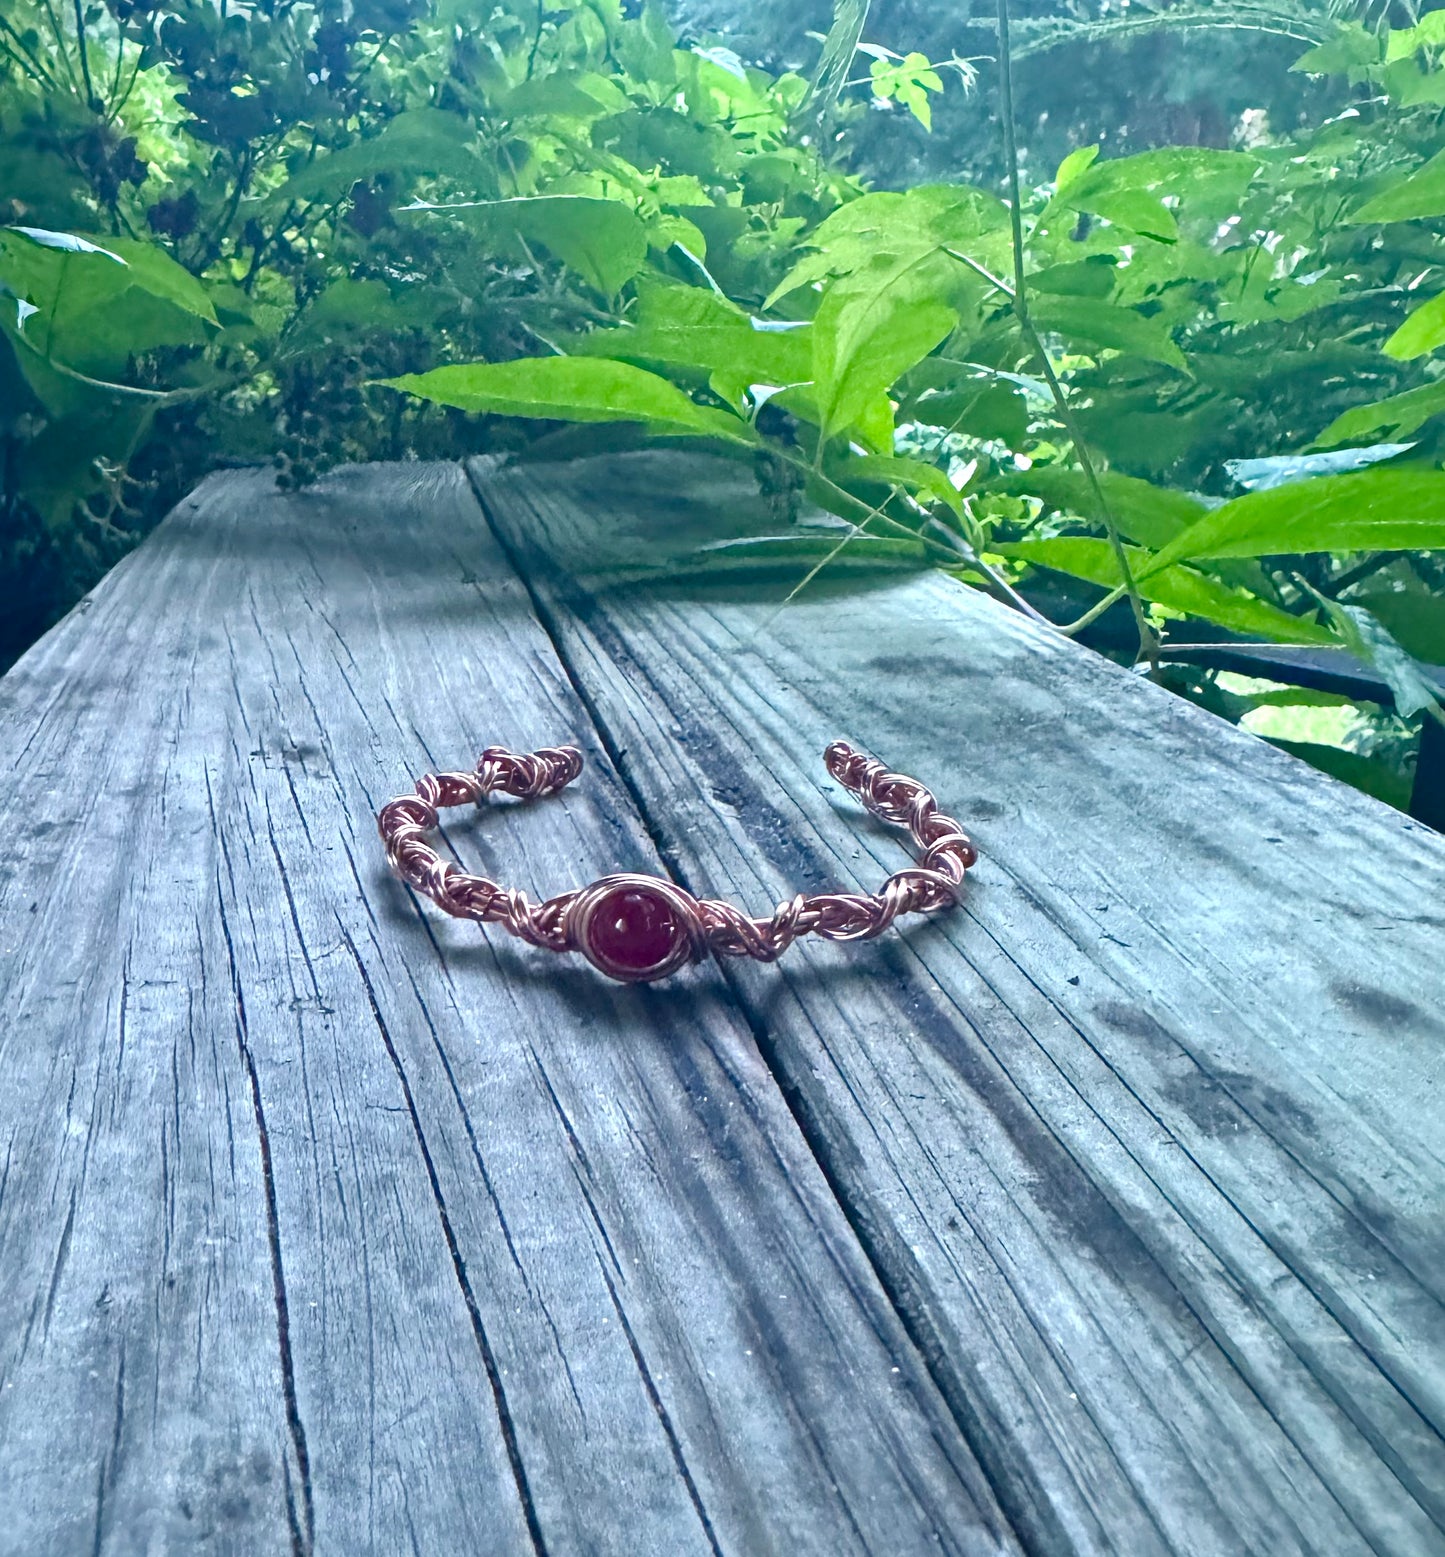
{"points": [[640, 928]]}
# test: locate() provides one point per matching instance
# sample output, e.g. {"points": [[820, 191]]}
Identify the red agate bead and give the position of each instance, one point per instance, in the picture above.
{"points": [[633, 927], [633, 930]]}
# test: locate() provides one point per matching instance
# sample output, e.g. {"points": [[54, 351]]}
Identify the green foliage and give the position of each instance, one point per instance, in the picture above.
{"points": [[573, 389], [1378, 647], [1182, 589], [907, 81], [1395, 508], [603, 241], [312, 232]]}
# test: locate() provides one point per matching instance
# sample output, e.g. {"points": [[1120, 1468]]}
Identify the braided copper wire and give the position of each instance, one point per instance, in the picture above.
{"points": [[564, 923]]}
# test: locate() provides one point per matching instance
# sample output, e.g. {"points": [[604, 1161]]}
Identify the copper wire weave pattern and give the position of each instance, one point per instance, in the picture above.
{"points": [[558, 923]]}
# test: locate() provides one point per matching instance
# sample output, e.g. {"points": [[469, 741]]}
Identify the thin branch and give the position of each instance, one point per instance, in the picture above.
{"points": [[211, 251], [115, 77], [7, 52], [361, 74], [91, 101], [1053, 33], [1148, 639], [259, 252], [982, 270], [1094, 613], [1006, 590], [1362, 570], [536, 40], [119, 102], [58, 32], [857, 529], [29, 61], [895, 525]]}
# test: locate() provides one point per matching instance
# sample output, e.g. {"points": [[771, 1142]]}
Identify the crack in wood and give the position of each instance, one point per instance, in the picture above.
{"points": [[302, 1526], [484, 1345]]}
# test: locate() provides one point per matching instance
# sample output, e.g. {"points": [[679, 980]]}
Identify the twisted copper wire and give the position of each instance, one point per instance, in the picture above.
{"points": [[931, 884]]}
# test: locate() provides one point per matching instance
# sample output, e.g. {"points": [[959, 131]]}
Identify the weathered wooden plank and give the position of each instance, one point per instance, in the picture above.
{"points": [[387, 1237], [1147, 1140]]}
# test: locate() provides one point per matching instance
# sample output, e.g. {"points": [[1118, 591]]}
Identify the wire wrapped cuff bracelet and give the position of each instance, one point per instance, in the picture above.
{"points": [[640, 928]]}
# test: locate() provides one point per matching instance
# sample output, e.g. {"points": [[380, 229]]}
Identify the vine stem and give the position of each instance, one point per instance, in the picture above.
{"points": [[27, 59], [91, 101], [842, 495], [859, 527], [1148, 639], [58, 33]]}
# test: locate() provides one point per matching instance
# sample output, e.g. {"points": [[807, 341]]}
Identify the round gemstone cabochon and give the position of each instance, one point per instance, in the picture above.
{"points": [[633, 930]]}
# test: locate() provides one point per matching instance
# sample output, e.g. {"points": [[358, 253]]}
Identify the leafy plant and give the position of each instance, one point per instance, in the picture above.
{"points": [[1159, 384]]}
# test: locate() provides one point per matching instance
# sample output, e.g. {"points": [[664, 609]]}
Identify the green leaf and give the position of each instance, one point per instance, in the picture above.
{"points": [[1353, 47], [874, 424], [908, 81], [1146, 442], [422, 140], [1420, 195], [1400, 42], [154, 271], [870, 329], [989, 411], [1413, 613], [90, 308], [1422, 332], [350, 310], [644, 46], [1395, 417], [757, 356], [1386, 508], [1093, 277], [604, 241], [1199, 177], [916, 476], [1368, 639], [1130, 191], [45, 184], [1145, 513], [839, 49], [919, 221], [1408, 82], [1097, 325], [574, 389], [1298, 697], [1077, 162], [62, 242], [58, 468], [694, 328], [668, 228], [1178, 588], [1136, 209], [562, 94]]}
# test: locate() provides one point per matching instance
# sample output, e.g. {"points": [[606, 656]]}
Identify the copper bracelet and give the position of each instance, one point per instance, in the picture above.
{"points": [[640, 928]]}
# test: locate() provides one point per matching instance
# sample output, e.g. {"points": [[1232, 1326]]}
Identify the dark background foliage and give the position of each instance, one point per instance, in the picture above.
{"points": [[226, 228]]}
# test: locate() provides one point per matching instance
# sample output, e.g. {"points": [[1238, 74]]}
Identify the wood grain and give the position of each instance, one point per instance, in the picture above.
{"points": [[1147, 1140], [328, 1226]]}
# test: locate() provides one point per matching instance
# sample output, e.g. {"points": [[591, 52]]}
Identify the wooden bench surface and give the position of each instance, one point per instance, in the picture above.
{"points": [[1101, 1216]]}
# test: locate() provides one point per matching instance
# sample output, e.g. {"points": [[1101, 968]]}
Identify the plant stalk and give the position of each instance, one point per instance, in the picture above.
{"points": [[1148, 639], [27, 59], [91, 101]]}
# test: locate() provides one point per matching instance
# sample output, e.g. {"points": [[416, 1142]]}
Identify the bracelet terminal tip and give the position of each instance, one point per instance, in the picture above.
{"points": [[845, 764], [529, 775]]}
